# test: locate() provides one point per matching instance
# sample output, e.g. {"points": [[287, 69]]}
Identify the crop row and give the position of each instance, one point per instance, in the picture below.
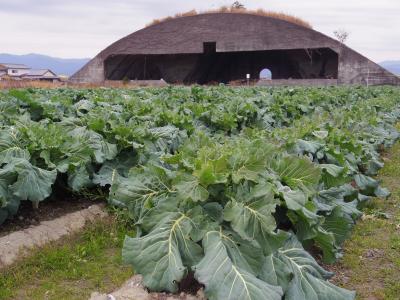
{"points": [[233, 185]]}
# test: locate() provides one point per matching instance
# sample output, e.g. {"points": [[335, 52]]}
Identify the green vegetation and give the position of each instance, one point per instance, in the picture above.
{"points": [[233, 184], [371, 262], [71, 269]]}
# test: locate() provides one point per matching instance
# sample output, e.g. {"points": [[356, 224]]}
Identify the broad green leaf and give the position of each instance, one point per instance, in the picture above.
{"points": [[248, 160], [79, 179], [382, 192], [11, 147], [76, 152], [8, 203], [189, 187], [339, 223], [294, 199], [297, 173], [304, 147], [370, 186], [374, 165], [321, 134], [119, 165], [214, 210], [308, 227], [226, 276], [163, 255], [326, 240], [327, 200], [211, 166], [83, 107], [300, 276], [102, 150], [141, 191], [211, 172], [163, 140], [251, 216], [11, 153], [33, 183], [333, 175]]}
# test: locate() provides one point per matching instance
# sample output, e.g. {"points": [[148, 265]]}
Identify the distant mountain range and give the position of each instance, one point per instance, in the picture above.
{"points": [[60, 66], [392, 66], [68, 66]]}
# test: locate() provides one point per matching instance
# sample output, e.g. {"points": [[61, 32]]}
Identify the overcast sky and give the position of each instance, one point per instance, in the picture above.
{"points": [[82, 28]]}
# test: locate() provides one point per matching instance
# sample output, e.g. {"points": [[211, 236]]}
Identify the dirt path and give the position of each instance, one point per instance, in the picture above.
{"points": [[133, 289], [72, 267], [55, 207], [371, 262], [15, 245]]}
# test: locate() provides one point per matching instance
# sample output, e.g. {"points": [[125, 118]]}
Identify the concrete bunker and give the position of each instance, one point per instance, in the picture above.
{"points": [[221, 47], [222, 67]]}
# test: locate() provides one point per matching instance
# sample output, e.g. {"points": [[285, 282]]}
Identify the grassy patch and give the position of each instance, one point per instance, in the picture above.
{"points": [[371, 262], [72, 268]]}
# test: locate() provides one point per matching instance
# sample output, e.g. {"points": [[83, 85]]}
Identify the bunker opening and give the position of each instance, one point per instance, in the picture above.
{"points": [[223, 67], [265, 74]]}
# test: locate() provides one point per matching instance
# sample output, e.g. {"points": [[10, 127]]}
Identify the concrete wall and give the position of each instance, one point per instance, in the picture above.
{"points": [[17, 72], [92, 72], [298, 82], [357, 69]]}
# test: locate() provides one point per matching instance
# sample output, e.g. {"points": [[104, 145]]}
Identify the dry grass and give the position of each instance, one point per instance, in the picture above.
{"points": [[73, 267], [232, 10], [20, 84], [14, 84], [371, 261]]}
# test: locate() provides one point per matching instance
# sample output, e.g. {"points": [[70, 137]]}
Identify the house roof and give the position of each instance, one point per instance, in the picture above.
{"points": [[14, 66], [40, 73]]}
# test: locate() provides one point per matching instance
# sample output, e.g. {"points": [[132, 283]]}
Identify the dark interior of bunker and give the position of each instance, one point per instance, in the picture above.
{"points": [[212, 66]]}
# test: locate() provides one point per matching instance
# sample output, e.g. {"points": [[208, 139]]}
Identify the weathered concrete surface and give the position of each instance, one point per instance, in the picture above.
{"points": [[94, 71], [17, 244], [297, 82], [134, 290], [151, 83]]}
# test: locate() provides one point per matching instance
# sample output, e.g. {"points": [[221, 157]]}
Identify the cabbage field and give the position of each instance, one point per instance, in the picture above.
{"points": [[246, 189]]}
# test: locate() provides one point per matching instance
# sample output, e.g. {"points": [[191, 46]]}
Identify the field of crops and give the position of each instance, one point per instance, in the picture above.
{"points": [[245, 188]]}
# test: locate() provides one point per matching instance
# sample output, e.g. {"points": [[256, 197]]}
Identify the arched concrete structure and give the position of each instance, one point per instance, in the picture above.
{"points": [[222, 47]]}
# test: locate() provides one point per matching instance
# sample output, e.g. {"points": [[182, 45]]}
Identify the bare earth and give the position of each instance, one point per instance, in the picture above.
{"points": [[134, 290], [17, 244]]}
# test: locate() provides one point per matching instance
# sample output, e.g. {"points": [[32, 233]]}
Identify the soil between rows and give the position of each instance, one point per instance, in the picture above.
{"points": [[48, 210]]}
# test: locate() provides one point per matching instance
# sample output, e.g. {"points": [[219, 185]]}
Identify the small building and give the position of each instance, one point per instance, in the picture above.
{"points": [[40, 74], [11, 71]]}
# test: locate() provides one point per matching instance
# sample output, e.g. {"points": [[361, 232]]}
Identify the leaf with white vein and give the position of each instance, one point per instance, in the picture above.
{"points": [[33, 183], [251, 216], [225, 275], [162, 256], [300, 276]]}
